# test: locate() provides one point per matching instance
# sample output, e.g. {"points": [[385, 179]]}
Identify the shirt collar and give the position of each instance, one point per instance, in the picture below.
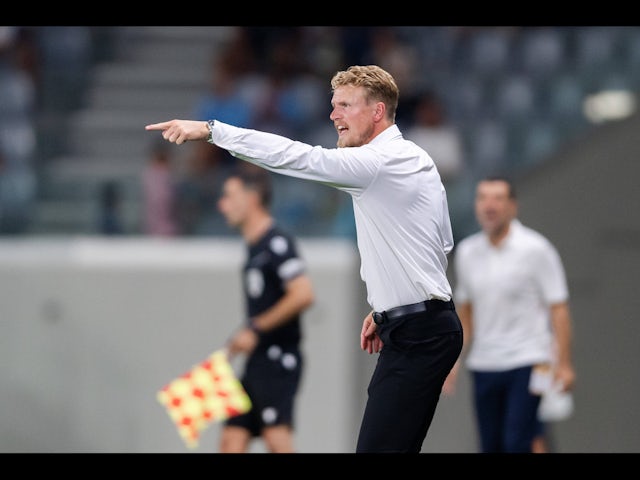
{"points": [[392, 132], [514, 229]]}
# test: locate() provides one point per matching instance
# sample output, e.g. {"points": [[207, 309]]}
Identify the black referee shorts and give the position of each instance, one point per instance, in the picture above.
{"points": [[271, 379]]}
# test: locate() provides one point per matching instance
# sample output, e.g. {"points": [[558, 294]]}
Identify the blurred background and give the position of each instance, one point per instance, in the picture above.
{"points": [[117, 273]]}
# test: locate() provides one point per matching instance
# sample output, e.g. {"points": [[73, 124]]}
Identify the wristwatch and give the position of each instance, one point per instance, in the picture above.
{"points": [[210, 124]]}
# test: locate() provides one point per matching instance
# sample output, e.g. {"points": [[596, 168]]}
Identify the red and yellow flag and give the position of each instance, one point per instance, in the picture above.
{"points": [[207, 393]]}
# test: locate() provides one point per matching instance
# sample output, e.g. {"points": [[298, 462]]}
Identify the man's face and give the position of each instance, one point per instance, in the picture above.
{"points": [[352, 116], [494, 208], [235, 202]]}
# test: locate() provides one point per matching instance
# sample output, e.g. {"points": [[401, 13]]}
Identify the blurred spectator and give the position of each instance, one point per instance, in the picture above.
{"points": [[290, 101], [17, 135], [356, 43], [198, 190], [323, 51], [18, 46], [279, 108], [17, 190], [400, 58], [109, 215], [17, 101], [224, 100], [442, 141], [264, 39], [239, 52], [159, 191], [66, 53]]}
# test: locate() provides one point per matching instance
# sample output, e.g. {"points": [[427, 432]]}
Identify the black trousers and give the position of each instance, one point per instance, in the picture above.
{"points": [[418, 353]]}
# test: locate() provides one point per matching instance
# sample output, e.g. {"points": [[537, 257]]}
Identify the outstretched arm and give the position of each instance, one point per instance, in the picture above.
{"points": [[180, 131]]}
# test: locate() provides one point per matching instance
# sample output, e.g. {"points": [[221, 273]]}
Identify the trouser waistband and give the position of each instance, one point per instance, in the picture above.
{"points": [[426, 306]]}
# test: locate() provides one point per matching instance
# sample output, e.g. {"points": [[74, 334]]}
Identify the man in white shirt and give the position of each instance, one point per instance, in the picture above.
{"points": [[512, 298], [403, 235]]}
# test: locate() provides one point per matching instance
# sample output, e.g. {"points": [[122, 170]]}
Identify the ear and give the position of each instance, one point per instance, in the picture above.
{"points": [[514, 208], [253, 196], [380, 111]]}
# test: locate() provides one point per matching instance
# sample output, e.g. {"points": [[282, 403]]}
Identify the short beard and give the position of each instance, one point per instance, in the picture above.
{"points": [[358, 142]]}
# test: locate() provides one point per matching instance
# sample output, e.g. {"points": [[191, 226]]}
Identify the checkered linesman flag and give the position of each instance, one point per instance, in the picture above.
{"points": [[209, 392]]}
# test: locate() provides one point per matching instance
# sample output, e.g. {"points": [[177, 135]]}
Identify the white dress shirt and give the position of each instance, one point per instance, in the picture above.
{"points": [[399, 203], [511, 288]]}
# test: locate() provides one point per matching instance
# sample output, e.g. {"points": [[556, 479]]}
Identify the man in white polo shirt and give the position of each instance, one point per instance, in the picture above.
{"points": [[512, 298]]}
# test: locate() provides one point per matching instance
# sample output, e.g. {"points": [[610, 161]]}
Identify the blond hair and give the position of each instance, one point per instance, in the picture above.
{"points": [[377, 82]]}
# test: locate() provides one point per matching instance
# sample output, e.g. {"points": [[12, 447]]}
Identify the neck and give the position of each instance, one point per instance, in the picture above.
{"points": [[256, 226], [499, 235], [379, 128]]}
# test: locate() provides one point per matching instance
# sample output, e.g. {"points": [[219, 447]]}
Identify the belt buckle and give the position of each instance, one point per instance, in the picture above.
{"points": [[378, 318]]}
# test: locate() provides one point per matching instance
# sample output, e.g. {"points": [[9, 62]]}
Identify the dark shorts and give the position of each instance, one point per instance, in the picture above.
{"points": [[271, 379]]}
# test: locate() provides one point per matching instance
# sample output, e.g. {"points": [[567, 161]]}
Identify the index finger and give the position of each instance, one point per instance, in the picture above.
{"points": [[157, 126]]}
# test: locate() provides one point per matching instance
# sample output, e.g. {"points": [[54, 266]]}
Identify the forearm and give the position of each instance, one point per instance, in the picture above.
{"points": [[349, 169], [564, 373], [561, 323], [465, 314], [298, 298], [464, 311], [262, 148]]}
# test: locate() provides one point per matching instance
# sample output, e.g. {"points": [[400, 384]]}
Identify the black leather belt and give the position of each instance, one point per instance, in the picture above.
{"points": [[427, 306]]}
